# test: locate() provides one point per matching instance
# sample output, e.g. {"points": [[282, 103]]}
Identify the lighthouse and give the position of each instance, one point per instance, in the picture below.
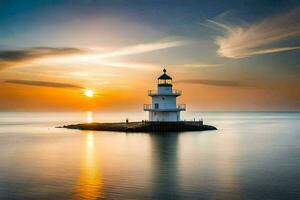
{"points": [[164, 114], [164, 107]]}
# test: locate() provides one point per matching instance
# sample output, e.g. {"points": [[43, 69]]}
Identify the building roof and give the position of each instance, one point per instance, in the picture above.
{"points": [[164, 76]]}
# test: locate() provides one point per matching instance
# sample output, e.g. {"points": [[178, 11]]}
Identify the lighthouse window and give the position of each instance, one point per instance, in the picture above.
{"points": [[163, 98], [165, 81], [156, 106]]}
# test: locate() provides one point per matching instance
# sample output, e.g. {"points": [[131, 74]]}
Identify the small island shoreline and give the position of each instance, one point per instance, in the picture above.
{"points": [[144, 126]]}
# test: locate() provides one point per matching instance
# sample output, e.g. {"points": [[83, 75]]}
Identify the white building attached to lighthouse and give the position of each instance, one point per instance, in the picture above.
{"points": [[164, 107]]}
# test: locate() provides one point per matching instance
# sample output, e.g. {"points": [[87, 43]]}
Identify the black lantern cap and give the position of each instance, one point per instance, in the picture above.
{"points": [[164, 76]]}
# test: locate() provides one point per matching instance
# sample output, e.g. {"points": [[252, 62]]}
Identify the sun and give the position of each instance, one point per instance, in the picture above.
{"points": [[89, 93]]}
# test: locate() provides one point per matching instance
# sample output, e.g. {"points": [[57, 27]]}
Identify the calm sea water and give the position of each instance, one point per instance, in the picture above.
{"points": [[252, 156]]}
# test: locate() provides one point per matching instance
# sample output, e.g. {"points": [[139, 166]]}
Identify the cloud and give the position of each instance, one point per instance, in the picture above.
{"points": [[112, 58], [43, 84], [224, 83], [129, 50], [146, 47], [109, 59], [14, 57], [37, 55], [132, 65], [247, 40]]}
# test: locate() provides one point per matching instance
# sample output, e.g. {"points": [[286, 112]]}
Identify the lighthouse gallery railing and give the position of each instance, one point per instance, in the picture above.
{"points": [[155, 92], [150, 107]]}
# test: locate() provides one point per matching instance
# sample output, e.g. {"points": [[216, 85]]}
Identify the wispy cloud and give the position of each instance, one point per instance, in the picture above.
{"points": [[43, 84], [93, 55], [132, 65], [225, 83], [241, 41], [146, 47], [14, 57], [109, 59]]}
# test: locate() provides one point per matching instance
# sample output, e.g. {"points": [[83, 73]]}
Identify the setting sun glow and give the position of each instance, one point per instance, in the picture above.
{"points": [[89, 93]]}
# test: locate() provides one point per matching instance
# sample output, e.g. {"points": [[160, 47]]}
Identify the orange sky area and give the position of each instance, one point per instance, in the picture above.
{"points": [[129, 93]]}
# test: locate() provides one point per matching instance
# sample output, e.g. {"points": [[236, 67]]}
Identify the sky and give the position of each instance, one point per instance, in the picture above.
{"points": [[237, 55]]}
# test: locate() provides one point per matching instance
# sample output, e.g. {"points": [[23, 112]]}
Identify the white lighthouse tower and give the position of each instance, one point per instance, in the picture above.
{"points": [[164, 107]]}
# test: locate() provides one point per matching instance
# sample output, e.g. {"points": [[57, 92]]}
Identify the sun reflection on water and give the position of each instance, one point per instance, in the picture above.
{"points": [[90, 185]]}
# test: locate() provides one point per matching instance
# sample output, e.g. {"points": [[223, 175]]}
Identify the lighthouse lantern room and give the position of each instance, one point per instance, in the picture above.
{"points": [[164, 107]]}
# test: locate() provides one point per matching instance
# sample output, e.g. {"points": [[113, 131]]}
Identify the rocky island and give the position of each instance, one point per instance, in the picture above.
{"points": [[144, 126]]}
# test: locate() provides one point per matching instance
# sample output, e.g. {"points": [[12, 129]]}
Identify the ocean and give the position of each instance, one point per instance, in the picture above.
{"points": [[252, 155]]}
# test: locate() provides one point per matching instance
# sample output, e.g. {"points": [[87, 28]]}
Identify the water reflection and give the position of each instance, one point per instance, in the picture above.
{"points": [[227, 167], [90, 185], [165, 165]]}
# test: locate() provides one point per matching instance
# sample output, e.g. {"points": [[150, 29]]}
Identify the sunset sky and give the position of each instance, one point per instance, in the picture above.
{"points": [[223, 55]]}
